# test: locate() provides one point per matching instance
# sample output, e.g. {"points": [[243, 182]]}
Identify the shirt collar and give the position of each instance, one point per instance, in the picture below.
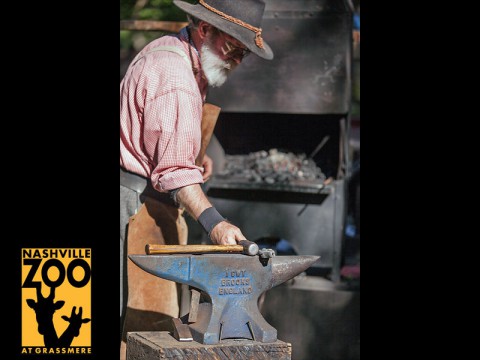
{"points": [[194, 57]]}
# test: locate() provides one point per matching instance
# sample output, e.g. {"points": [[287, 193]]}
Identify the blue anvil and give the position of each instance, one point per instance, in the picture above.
{"points": [[233, 284]]}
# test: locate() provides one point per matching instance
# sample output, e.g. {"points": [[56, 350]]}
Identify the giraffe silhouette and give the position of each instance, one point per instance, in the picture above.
{"points": [[44, 309], [73, 329]]}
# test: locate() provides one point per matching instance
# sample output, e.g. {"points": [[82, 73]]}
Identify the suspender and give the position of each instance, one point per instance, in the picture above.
{"points": [[173, 49]]}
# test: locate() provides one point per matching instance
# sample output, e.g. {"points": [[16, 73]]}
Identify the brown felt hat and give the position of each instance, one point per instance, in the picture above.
{"points": [[240, 19]]}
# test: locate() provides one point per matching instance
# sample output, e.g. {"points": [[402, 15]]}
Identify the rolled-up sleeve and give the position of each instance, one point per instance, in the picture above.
{"points": [[172, 137]]}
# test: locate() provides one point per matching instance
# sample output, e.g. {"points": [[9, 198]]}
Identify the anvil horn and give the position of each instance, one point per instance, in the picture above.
{"points": [[287, 267]]}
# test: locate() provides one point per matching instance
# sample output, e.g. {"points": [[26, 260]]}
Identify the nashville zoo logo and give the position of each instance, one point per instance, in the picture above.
{"points": [[56, 301]]}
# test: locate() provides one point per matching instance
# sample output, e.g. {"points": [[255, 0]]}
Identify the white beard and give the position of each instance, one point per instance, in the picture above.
{"points": [[215, 69]]}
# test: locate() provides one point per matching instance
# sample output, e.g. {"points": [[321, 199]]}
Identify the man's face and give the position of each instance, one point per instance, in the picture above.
{"points": [[220, 55]]}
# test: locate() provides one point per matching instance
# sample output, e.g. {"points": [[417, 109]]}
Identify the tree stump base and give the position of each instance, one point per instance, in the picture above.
{"points": [[154, 345]]}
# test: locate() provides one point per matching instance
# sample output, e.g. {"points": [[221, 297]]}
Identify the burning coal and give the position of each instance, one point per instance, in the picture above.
{"points": [[272, 167]]}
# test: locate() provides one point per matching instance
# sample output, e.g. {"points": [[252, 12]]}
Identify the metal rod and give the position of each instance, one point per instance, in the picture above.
{"points": [[319, 146]]}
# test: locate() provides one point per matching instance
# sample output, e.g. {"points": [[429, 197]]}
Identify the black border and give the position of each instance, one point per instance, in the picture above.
{"points": [[60, 153]]}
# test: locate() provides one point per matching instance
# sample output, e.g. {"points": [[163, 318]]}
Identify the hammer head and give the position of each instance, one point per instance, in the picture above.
{"points": [[233, 284]]}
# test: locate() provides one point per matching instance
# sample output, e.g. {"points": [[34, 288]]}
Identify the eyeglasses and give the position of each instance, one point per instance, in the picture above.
{"points": [[232, 51]]}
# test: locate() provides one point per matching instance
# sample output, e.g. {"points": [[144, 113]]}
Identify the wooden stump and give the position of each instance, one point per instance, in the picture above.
{"points": [[153, 345]]}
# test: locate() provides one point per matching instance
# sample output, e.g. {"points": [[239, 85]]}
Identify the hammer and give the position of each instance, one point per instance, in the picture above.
{"points": [[245, 247]]}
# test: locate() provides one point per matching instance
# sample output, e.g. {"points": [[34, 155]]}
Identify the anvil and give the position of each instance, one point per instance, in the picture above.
{"points": [[233, 284]]}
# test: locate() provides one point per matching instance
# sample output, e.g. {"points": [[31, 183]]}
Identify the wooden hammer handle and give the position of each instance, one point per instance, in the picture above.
{"points": [[152, 249]]}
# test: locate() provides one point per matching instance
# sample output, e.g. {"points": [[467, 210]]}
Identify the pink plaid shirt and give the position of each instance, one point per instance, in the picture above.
{"points": [[160, 114]]}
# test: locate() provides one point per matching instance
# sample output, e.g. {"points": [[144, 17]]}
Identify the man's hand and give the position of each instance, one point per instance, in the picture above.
{"points": [[207, 167], [225, 233]]}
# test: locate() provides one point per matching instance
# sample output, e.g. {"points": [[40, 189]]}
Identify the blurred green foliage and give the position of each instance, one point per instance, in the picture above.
{"points": [[160, 10], [150, 10], [126, 9]]}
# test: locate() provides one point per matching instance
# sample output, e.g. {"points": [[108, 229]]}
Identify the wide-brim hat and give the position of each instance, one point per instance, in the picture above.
{"points": [[240, 19]]}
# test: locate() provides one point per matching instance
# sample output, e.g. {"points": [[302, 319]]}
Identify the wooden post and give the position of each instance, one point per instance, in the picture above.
{"points": [[152, 25]]}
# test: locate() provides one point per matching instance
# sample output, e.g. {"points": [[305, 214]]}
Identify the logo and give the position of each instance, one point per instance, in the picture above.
{"points": [[56, 301]]}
